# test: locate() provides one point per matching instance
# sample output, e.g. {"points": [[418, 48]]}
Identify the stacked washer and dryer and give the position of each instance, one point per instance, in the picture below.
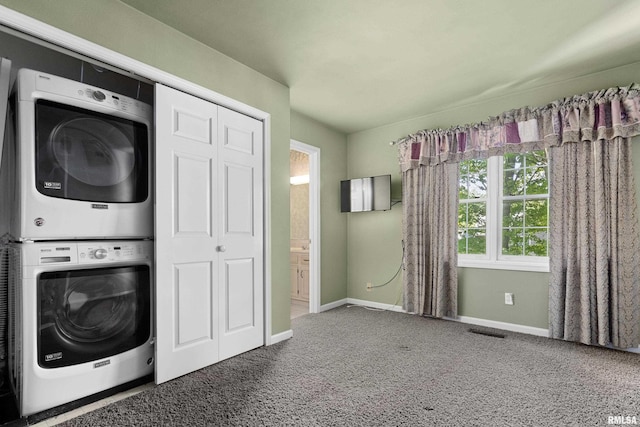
{"points": [[77, 205]]}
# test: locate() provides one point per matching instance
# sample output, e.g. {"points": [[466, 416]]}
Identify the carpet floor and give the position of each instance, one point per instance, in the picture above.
{"points": [[356, 367]]}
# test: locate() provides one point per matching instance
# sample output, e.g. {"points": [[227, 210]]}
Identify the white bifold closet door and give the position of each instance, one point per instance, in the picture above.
{"points": [[209, 233]]}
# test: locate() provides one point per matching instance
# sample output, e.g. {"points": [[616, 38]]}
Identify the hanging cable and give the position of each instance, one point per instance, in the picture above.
{"points": [[397, 272], [395, 304]]}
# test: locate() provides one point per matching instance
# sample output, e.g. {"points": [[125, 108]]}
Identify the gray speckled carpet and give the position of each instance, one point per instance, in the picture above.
{"points": [[356, 367]]}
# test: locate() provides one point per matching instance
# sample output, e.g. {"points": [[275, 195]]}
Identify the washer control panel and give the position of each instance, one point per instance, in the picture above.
{"points": [[94, 252]]}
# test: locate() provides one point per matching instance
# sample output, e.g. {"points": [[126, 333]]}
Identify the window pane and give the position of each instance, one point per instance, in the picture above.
{"points": [[537, 213], [462, 217], [536, 179], [537, 159], [463, 189], [464, 167], [476, 166], [477, 215], [513, 161], [535, 241], [472, 220], [462, 242], [513, 183], [473, 179], [512, 214], [476, 241], [477, 186], [512, 241]]}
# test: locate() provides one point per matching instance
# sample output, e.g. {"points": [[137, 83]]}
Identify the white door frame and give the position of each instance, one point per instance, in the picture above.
{"points": [[314, 222], [31, 26]]}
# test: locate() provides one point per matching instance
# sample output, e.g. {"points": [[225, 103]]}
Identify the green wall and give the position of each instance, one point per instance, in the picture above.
{"points": [[374, 247], [116, 26], [481, 295], [333, 227], [375, 238]]}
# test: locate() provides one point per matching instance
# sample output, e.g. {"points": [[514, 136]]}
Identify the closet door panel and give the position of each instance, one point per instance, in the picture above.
{"points": [[239, 294], [193, 312], [187, 306], [192, 186], [241, 233], [239, 200]]}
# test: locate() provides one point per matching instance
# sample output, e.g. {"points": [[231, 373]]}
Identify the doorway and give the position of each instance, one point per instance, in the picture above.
{"points": [[305, 228]]}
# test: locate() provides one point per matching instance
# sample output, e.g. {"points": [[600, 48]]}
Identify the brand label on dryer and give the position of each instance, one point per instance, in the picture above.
{"points": [[52, 185], [53, 356], [101, 364], [99, 206]]}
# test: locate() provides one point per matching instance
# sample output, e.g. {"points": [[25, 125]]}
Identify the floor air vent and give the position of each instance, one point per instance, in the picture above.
{"points": [[487, 333]]}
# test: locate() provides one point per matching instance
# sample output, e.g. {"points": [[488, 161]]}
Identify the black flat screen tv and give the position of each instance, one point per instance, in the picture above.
{"points": [[366, 194]]}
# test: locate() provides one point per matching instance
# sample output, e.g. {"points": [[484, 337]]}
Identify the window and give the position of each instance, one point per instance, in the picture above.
{"points": [[503, 214]]}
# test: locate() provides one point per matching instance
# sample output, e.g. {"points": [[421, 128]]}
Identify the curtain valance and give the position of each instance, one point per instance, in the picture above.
{"points": [[592, 116]]}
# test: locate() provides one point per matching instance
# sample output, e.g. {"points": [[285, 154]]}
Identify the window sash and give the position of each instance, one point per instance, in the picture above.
{"points": [[465, 187]]}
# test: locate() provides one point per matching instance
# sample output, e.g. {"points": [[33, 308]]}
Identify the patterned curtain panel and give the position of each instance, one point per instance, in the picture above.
{"points": [[594, 294], [430, 206]]}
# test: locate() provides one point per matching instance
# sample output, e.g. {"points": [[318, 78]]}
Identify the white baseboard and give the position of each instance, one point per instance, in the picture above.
{"points": [[512, 327], [373, 304], [362, 302], [282, 336], [504, 326], [333, 305], [462, 319]]}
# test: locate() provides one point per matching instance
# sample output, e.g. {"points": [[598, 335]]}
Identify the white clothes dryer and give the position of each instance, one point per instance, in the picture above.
{"points": [[82, 159], [80, 319]]}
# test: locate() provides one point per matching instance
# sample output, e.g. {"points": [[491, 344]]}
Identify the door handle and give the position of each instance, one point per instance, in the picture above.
{"points": [[221, 248]]}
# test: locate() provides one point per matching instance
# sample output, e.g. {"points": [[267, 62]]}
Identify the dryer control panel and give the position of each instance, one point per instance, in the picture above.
{"points": [[36, 84]]}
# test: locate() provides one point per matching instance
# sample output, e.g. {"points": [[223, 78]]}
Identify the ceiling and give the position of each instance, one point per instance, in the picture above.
{"points": [[360, 64]]}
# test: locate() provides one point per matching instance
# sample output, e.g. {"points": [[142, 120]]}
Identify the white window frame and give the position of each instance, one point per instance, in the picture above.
{"points": [[493, 259]]}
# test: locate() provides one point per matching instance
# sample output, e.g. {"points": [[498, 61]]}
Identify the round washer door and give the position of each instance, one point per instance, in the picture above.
{"points": [[93, 151], [86, 315], [94, 309]]}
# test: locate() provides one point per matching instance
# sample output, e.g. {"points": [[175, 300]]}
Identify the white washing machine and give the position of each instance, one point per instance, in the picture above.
{"points": [[80, 164], [80, 319]]}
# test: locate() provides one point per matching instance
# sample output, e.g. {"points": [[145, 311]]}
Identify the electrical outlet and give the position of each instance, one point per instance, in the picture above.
{"points": [[369, 287], [508, 298]]}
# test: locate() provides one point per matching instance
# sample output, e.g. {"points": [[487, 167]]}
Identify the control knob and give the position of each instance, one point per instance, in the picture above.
{"points": [[100, 253], [98, 96]]}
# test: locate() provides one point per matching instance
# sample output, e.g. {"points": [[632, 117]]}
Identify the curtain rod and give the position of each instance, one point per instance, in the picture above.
{"points": [[403, 139]]}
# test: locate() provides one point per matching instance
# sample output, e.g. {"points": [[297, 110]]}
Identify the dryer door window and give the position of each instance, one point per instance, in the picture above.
{"points": [[89, 156], [85, 315]]}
